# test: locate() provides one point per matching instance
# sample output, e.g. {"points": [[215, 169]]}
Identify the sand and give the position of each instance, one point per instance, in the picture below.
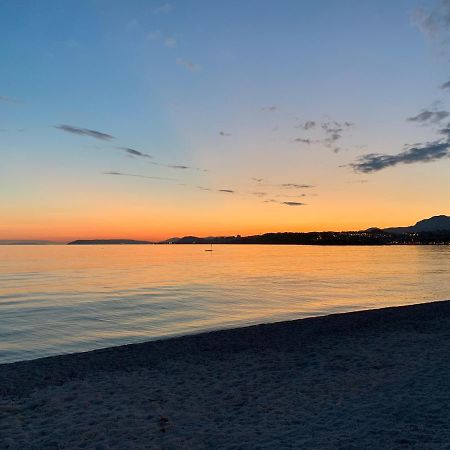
{"points": [[372, 379]]}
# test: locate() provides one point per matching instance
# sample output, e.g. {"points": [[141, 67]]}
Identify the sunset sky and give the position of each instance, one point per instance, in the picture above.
{"points": [[153, 119]]}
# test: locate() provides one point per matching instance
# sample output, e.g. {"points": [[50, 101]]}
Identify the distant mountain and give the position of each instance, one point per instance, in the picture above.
{"points": [[173, 240], [435, 230], [435, 223], [107, 242], [26, 242]]}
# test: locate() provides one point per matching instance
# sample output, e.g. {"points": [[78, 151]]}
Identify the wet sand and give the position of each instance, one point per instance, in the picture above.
{"points": [[372, 379]]}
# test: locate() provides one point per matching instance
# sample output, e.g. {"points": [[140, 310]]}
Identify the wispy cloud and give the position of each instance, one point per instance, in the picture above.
{"points": [[4, 98], [286, 203], [177, 166], [189, 65], [133, 152], [333, 133], [271, 108], [429, 117], [85, 132], [259, 194], [293, 203], [226, 191], [307, 125], [164, 8], [296, 186], [124, 174], [374, 162], [170, 42], [303, 140], [223, 133], [433, 23], [290, 196], [258, 180]]}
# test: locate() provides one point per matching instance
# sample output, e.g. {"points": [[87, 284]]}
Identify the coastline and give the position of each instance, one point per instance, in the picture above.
{"points": [[371, 379]]}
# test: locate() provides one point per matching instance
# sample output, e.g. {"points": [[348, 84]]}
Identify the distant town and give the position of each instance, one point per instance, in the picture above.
{"points": [[432, 231]]}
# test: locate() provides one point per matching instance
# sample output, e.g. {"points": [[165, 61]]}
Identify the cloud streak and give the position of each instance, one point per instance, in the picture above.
{"points": [[293, 203], [132, 152], [296, 186], [271, 108], [429, 117], [85, 132], [374, 162], [124, 174]]}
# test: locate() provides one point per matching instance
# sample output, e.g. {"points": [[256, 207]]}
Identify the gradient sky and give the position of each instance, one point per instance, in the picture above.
{"points": [[150, 119]]}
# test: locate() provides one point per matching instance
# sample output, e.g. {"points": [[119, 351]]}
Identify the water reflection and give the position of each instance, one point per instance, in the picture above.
{"points": [[57, 299]]}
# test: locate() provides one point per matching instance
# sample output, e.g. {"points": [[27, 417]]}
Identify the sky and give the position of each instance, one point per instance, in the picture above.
{"points": [[154, 119]]}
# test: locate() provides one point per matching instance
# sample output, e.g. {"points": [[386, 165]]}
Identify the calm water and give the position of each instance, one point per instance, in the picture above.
{"points": [[60, 299]]}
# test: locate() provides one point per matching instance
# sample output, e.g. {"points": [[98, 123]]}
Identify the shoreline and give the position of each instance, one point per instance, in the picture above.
{"points": [[367, 379]]}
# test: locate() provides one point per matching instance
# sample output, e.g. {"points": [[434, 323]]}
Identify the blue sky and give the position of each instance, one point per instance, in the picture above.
{"points": [[222, 86]]}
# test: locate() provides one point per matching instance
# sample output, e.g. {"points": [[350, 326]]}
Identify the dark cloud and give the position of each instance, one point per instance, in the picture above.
{"points": [[85, 132], [445, 86], [258, 180], [291, 196], [303, 140], [333, 131], [222, 133], [227, 191], [123, 174], [293, 203], [296, 186], [307, 125], [133, 152], [175, 166], [271, 200], [445, 131], [428, 117], [271, 108], [428, 152]]}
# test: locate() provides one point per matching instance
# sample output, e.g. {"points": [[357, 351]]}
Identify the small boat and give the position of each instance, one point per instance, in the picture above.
{"points": [[209, 249]]}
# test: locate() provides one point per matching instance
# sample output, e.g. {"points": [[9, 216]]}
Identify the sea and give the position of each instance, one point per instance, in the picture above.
{"points": [[57, 299]]}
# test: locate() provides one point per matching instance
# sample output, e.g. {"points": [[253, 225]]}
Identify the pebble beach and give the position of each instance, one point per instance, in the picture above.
{"points": [[370, 379]]}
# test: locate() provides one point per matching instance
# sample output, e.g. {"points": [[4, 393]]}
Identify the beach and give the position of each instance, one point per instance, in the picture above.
{"points": [[370, 379]]}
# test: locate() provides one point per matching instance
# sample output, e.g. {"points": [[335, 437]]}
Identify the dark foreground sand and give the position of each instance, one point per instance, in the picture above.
{"points": [[374, 379]]}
